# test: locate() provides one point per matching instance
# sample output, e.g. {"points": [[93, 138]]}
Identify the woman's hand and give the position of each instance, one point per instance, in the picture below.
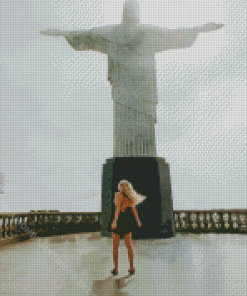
{"points": [[139, 223], [114, 225]]}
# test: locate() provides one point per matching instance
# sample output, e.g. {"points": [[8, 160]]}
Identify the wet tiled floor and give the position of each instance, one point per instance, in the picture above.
{"points": [[80, 264]]}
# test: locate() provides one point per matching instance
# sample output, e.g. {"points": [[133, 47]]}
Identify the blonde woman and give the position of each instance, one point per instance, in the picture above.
{"points": [[124, 221]]}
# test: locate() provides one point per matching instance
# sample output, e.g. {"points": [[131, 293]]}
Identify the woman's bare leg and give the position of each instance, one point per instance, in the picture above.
{"points": [[128, 244], [116, 241]]}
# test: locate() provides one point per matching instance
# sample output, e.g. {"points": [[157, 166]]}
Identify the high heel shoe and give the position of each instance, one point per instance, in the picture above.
{"points": [[114, 271], [131, 271]]}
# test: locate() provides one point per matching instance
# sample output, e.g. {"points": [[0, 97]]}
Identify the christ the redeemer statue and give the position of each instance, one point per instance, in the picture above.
{"points": [[131, 48]]}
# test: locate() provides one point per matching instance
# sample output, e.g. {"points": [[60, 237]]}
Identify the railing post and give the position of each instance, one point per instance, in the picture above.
{"points": [[3, 226]]}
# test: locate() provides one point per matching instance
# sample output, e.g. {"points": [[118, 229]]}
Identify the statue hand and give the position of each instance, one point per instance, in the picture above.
{"points": [[52, 32], [211, 27]]}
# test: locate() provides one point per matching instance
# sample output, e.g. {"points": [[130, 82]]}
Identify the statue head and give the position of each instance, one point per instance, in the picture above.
{"points": [[131, 12]]}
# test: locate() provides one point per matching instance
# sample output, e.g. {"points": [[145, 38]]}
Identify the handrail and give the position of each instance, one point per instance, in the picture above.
{"points": [[24, 225]]}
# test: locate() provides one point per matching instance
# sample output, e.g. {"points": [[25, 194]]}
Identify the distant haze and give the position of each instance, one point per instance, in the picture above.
{"points": [[57, 112]]}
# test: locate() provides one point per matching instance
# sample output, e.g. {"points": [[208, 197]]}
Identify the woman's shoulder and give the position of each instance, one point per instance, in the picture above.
{"points": [[118, 195]]}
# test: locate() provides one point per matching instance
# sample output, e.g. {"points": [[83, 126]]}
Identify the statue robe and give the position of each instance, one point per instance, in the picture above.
{"points": [[131, 72]]}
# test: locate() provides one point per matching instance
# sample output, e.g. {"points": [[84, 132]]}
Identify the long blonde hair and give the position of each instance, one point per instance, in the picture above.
{"points": [[130, 196]]}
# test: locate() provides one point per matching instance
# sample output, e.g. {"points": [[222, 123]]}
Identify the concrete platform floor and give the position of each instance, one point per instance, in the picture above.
{"points": [[80, 264]]}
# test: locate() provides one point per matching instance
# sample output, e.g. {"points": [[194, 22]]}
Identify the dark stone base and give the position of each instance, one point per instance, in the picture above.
{"points": [[149, 176]]}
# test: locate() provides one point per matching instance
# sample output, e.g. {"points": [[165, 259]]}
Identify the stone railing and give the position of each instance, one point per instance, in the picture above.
{"points": [[20, 226], [231, 221]]}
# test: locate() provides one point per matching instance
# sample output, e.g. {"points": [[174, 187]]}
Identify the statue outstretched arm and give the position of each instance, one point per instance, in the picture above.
{"points": [[159, 39], [210, 27], [81, 40]]}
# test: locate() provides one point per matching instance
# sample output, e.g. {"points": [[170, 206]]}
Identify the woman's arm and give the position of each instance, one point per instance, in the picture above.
{"points": [[118, 201], [135, 213]]}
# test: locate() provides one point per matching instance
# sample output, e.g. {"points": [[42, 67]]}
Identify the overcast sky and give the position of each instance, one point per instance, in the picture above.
{"points": [[57, 112]]}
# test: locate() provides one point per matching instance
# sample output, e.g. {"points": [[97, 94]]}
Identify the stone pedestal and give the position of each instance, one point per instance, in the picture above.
{"points": [[149, 176]]}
